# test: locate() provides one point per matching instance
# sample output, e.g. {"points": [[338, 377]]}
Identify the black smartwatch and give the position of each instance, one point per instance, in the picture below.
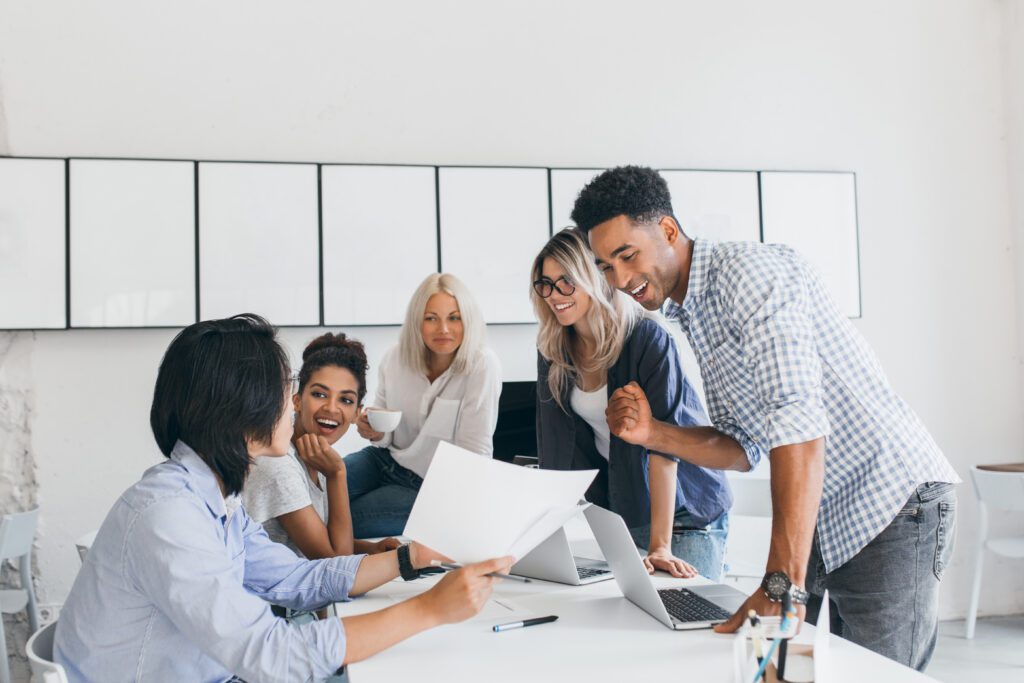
{"points": [[405, 567], [777, 584]]}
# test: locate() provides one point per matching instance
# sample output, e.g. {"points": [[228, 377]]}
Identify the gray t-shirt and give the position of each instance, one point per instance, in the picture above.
{"points": [[277, 486]]}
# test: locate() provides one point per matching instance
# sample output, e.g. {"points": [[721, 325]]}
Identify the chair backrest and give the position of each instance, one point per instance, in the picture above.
{"points": [[1003, 490], [40, 656], [83, 543], [17, 531]]}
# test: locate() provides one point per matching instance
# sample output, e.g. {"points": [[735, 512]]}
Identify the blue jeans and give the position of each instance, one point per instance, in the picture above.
{"points": [[381, 492], [701, 546], [886, 597]]}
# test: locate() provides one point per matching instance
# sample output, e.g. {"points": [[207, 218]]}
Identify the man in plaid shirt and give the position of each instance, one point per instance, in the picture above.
{"points": [[863, 497]]}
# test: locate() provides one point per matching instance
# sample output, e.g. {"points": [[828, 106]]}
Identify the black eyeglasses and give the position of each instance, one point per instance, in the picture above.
{"points": [[544, 287]]}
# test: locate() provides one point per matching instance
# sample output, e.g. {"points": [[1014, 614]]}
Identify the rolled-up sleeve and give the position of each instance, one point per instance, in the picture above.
{"points": [[751, 448], [278, 575], [186, 572], [777, 340]]}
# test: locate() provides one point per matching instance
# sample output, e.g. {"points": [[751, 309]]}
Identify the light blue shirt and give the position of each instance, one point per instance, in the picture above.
{"points": [[178, 584], [782, 365]]}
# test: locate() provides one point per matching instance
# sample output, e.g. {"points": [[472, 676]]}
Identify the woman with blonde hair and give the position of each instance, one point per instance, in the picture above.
{"points": [[446, 382], [592, 340]]}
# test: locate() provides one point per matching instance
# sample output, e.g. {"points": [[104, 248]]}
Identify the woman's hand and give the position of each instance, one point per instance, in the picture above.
{"points": [[663, 559], [314, 450], [364, 428]]}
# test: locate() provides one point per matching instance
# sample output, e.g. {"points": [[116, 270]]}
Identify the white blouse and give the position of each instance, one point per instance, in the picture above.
{"points": [[458, 408], [591, 405]]}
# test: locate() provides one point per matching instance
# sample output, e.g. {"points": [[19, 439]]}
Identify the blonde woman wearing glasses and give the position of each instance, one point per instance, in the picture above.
{"points": [[593, 340]]}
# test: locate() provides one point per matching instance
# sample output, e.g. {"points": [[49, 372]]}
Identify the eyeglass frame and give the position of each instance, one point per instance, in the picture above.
{"points": [[552, 285]]}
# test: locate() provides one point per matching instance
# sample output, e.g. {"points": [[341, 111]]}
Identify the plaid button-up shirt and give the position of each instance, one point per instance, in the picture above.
{"points": [[782, 365]]}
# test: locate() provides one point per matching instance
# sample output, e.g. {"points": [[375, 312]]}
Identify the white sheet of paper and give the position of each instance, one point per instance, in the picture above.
{"points": [[473, 508]]}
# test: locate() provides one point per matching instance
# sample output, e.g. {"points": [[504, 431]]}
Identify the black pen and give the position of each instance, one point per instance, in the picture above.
{"points": [[451, 566], [523, 624]]}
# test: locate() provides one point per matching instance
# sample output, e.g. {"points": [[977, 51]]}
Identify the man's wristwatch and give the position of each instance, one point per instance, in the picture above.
{"points": [[777, 584], [405, 567]]}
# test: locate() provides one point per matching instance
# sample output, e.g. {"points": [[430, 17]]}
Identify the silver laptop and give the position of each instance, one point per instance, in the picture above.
{"points": [[553, 560], [678, 608]]}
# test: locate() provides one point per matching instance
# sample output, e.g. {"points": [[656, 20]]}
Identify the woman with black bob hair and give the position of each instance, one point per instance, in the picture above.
{"points": [[179, 581]]}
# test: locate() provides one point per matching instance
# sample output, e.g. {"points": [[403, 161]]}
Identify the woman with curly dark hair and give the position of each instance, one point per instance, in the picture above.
{"points": [[302, 499]]}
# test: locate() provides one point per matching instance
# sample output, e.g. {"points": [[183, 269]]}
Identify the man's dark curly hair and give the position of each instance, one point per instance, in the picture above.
{"points": [[635, 191]]}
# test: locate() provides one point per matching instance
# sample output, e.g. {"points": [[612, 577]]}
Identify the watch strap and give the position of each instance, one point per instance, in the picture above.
{"points": [[405, 567], [799, 595]]}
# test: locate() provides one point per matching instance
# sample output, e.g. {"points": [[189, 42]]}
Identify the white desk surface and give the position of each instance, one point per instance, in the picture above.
{"points": [[599, 635]]}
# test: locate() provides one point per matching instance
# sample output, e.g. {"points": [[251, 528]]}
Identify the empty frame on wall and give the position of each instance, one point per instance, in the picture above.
{"points": [[33, 249], [716, 205], [566, 184], [816, 214], [379, 240], [259, 241], [494, 221], [133, 245]]}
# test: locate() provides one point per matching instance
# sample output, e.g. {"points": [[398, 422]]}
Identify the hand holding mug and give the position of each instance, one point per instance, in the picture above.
{"points": [[364, 428]]}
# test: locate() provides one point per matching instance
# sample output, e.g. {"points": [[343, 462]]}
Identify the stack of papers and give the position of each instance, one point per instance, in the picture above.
{"points": [[473, 508]]}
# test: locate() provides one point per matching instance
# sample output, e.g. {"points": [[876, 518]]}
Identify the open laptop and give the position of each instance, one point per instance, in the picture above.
{"points": [[553, 560], [678, 608]]}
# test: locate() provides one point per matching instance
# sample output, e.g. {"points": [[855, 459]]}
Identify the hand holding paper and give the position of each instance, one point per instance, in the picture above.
{"points": [[473, 509]]}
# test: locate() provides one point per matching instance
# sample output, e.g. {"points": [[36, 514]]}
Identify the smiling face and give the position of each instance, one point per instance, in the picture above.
{"points": [[568, 308], [327, 404], [637, 259], [442, 325]]}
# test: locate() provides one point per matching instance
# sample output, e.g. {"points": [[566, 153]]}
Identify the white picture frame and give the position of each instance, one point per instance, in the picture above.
{"points": [[380, 240], [494, 222], [259, 243], [33, 244], [133, 242]]}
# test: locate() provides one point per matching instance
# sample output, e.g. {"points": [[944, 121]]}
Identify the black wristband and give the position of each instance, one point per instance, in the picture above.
{"points": [[405, 567]]}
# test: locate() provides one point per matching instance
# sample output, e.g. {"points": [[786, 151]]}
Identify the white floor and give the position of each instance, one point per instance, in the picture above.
{"points": [[996, 653]]}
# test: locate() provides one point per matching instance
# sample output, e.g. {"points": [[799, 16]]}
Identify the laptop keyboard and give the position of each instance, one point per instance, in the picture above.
{"points": [[587, 572], [685, 605]]}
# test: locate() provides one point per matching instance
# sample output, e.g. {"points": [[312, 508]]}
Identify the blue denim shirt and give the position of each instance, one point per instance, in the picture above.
{"points": [[176, 588], [565, 441]]}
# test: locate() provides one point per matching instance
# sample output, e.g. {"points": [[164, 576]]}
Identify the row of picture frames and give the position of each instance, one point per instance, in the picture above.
{"points": [[117, 243]]}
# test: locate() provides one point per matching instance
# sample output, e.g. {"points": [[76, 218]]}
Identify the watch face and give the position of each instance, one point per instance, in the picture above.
{"points": [[778, 583]]}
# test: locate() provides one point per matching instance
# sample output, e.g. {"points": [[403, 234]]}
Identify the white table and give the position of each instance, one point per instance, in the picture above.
{"points": [[599, 636]]}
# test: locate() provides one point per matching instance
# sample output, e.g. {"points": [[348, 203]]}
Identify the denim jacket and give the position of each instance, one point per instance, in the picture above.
{"points": [[566, 442]]}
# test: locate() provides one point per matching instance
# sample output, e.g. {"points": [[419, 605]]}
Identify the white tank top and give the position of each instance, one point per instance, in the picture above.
{"points": [[590, 405]]}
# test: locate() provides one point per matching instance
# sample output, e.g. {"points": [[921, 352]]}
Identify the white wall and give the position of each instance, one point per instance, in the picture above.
{"points": [[910, 95], [1013, 78]]}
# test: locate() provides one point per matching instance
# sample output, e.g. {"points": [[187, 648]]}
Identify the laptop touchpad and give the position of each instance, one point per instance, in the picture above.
{"points": [[726, 597]]}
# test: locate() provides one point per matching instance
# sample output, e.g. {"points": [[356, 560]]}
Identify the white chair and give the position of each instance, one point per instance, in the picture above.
{"points": [[40, 657], [85, 542], [1002, 491], [750, 525], [17, 531]]}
